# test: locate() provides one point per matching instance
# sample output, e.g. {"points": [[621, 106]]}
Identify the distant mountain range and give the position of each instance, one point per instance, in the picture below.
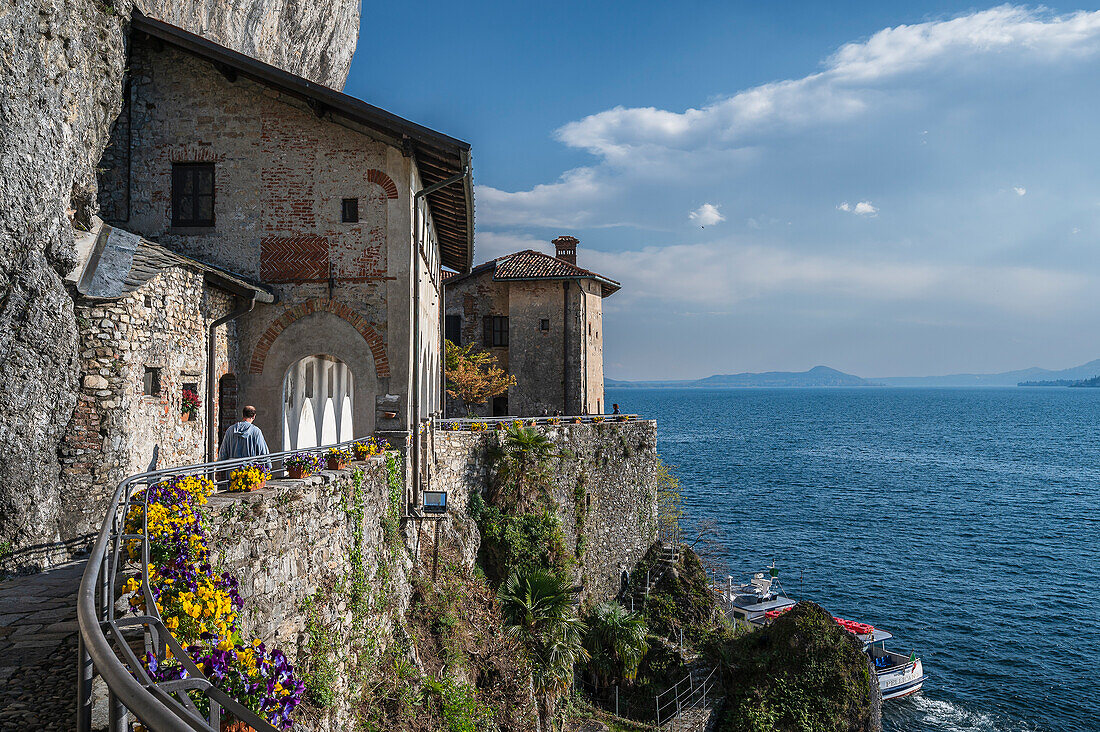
{"points": [[817, 376], [825, 376]]}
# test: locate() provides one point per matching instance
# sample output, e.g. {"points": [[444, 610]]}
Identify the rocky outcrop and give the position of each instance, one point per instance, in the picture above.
{"points": [[800, 672], [61, 67], [306, 37], [61, 76]]}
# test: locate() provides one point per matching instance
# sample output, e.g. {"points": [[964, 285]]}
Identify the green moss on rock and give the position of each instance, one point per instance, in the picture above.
{"points": [[801, 673]]}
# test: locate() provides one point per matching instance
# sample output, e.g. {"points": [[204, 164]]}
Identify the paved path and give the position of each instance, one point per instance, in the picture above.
{"points": [[38, 649]]}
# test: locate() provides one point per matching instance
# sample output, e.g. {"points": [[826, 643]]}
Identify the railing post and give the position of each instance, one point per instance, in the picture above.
{"points": [[616, 700], [116, 714], [83, 686]]}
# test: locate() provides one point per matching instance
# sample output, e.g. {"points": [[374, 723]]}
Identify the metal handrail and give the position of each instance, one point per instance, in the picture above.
{"points": [[103, 647], [551, 420], [693, 697]]}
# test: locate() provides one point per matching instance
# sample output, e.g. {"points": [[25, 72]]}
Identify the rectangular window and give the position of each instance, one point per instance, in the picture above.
{"points": [[151, 381], [452, 329], [349, 210], [495, 331], [192, 194], [544, 324]]}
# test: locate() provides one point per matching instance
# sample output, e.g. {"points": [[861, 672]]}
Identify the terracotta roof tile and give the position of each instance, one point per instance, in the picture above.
{"points": [[532, 265]]}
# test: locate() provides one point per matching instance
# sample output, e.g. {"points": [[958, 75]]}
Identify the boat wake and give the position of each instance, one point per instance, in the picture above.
{"points": [[938, 714]]}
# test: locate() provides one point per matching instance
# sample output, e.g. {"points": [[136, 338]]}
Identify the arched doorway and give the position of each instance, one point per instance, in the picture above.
{"points": [[317, 402]]}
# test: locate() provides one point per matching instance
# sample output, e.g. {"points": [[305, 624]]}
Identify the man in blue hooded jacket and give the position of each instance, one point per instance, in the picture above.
{"points": [[244, 439]]}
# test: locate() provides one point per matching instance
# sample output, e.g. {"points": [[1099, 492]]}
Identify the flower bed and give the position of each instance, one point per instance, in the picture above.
{"points": [[200, 606]]}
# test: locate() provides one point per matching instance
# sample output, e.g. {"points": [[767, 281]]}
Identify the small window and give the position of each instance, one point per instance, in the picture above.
{"points": [[148, 301], [192, 194], [151, 381], [495, 331], [349, 210], [452, 326], [544, 324]]}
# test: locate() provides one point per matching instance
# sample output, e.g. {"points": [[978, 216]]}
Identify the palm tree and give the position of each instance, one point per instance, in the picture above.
{"points": [[540, 610], [521, 462], [616, 643]]}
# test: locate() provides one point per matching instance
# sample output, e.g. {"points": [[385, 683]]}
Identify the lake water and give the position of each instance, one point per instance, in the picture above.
{"points": [[964, 521]]}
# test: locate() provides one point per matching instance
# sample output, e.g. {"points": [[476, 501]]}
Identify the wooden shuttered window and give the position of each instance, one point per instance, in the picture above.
{"points": [[494, 331]]}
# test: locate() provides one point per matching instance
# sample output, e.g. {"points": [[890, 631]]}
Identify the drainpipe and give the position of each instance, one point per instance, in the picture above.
{"points": [[415, 262], [565, 348], [211, 445]]}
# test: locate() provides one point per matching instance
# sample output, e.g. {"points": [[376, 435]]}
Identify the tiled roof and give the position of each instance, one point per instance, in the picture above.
{"points": [[532, 265]]}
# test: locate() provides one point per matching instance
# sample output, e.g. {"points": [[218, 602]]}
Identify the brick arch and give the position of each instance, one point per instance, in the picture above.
{"points": [[377, 176], [370, 335]]}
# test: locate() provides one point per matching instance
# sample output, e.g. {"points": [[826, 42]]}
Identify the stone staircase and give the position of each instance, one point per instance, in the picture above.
{"points": [[667, 560]]}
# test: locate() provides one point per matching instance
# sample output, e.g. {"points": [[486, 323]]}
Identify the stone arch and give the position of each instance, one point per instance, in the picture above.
{"points": [[309, 307], [377, 176], [319, 333]]}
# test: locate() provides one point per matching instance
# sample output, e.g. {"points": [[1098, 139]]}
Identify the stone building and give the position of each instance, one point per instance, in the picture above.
{"points": [[266, 241], [542, 317]]}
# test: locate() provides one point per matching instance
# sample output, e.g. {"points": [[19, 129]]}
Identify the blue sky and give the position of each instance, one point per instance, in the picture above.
{"points": [[885, 188]]}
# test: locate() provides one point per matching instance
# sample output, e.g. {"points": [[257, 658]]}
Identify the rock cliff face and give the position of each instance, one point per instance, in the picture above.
{"points": [[306, 37], [61, 75], [61, 66]]}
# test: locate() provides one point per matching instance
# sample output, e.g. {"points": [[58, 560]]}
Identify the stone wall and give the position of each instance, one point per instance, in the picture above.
{"points": [[292, 548], [608, 477], [115, 427]]}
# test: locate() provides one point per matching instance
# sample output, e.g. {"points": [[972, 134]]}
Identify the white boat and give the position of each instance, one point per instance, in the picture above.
{"points": [[763, 599]]}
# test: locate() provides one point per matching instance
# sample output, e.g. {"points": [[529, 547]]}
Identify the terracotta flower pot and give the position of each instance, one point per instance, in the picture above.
{"points": [[185, 417], [335, 463], [297, 472], [258, 486], [233, 725]]}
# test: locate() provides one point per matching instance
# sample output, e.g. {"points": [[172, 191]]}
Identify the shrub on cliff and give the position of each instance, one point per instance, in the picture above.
{"points": [[801, 673], [681, 596]]}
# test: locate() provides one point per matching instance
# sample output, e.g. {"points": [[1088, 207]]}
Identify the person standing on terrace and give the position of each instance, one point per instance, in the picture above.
{"points": [[244, 439]]}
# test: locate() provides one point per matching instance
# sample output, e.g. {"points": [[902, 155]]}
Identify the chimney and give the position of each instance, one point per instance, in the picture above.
{"points": [[565, 248]]}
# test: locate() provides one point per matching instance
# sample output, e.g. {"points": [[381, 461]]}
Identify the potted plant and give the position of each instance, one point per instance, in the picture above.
{"points": [[578, 420], [252, 477], [478, 427], [189, 405], [337, 458], [554, 421], [598, 418], [302, 465], [366, 448]]}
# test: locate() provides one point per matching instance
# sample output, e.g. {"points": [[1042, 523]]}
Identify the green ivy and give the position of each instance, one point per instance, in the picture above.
{"points": [[321, 645], [391, 523]]}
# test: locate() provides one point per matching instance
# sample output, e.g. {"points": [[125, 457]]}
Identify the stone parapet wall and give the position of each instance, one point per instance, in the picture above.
{"points": [[608, 472], [292, 546]]}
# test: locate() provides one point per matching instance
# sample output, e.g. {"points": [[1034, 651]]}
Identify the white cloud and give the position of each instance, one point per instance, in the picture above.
{"points": [[847, 86], [1019, 190], [571, 201], [863, 208], [706, 215], [721, 274], [490, 245]]}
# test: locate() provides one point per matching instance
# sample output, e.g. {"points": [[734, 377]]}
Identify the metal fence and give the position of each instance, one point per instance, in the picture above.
{"points": [[107, 642], [685, 695]]}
